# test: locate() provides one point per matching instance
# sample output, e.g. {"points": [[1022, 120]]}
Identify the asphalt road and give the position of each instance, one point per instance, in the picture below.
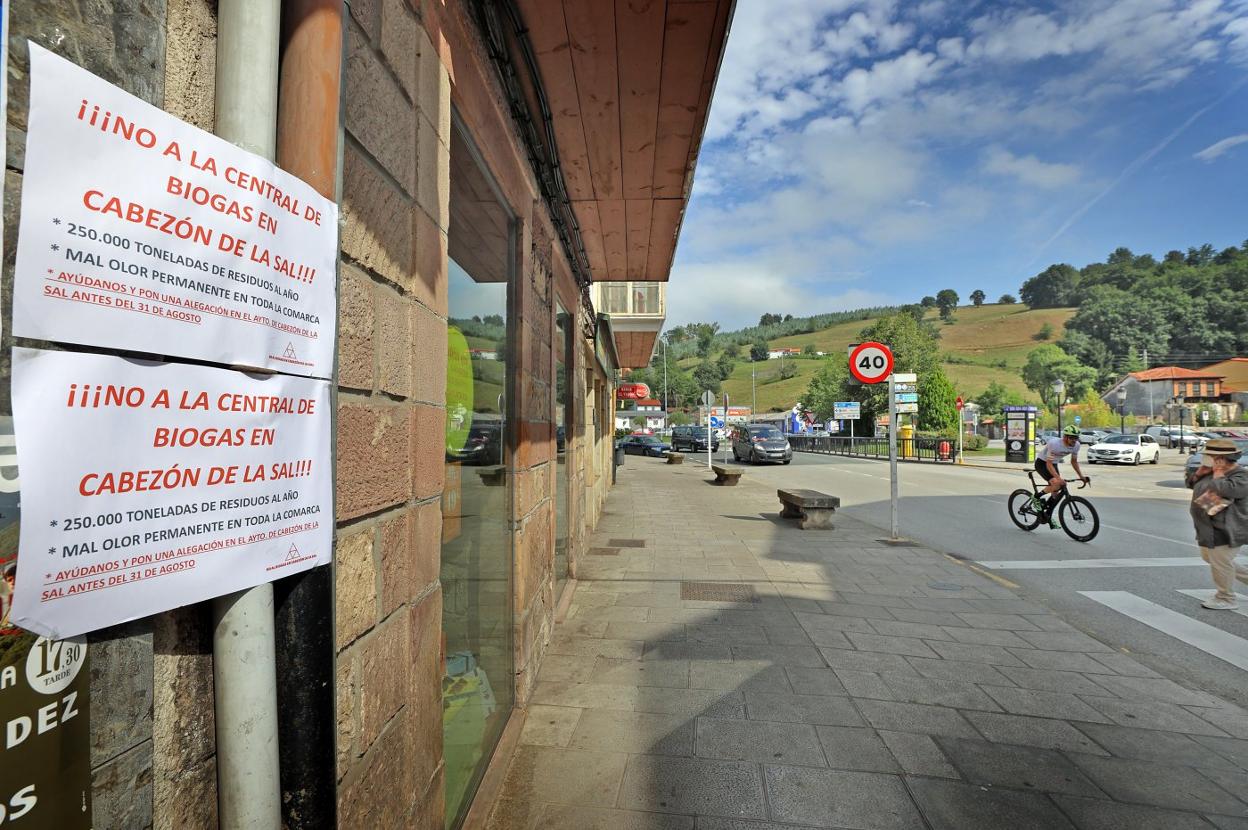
{"points": [[1143, 510]]}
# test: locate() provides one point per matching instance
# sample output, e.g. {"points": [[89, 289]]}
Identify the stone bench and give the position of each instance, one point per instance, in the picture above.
{"points": [[726, 476], [675, 458], [813, 508]]}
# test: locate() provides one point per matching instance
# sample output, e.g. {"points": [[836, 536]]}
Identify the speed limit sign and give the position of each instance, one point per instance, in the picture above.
{"points": [[871, 362]]}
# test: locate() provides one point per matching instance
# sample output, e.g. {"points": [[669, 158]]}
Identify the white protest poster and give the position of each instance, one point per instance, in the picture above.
{"points": [[148, 486], [144, 233]]}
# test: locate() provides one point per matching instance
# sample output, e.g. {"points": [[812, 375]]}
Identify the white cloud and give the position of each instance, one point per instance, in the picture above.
{"points": [[1029, 170], [1215, 150], [889, 79]]}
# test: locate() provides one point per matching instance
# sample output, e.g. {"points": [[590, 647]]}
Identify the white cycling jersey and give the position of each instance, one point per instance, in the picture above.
{"points": [[1056, 451]]}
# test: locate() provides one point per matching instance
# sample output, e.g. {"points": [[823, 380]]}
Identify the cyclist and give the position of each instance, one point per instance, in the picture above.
{"points": [[1047, 461]]}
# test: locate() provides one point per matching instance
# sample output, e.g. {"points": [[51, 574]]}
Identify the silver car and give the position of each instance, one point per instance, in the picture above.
{"points": [[760, 442]]}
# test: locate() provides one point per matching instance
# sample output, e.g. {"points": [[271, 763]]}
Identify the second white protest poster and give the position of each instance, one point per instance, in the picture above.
{"points": [[147, 486]]}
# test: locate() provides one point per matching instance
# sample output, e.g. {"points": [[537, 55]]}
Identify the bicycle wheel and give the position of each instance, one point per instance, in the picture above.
{"points": [[1021, 511], [1079, 519]]}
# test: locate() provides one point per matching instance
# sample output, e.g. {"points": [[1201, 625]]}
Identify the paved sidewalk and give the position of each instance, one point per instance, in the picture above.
{"points": [[862, 686]]}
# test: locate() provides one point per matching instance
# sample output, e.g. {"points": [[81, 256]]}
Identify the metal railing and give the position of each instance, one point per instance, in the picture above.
{"points": [[919, 448]]}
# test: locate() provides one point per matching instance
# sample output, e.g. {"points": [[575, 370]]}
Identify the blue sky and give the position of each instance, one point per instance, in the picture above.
{"points": [[862, 152]]}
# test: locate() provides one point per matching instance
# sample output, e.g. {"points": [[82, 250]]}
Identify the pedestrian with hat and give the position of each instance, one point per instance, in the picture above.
{"points": [[1220, 513]]}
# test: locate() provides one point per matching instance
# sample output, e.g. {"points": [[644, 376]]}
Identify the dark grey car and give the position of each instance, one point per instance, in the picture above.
{"points": [[760, 442]]}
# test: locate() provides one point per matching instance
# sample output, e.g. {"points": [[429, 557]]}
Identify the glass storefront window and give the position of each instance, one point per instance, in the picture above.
{"points": [[562, 400], [478, 658]]}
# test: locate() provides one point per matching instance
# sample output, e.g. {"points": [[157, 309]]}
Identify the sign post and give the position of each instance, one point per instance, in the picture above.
{"points": [[872, 363], [708, 400], [892, 457], [959, 403]]}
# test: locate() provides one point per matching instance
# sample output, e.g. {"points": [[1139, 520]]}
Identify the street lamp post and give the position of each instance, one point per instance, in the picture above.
{"points": [[1179, 401], [753, 394], [665, 404], [1122, 409], [1059, 391]]}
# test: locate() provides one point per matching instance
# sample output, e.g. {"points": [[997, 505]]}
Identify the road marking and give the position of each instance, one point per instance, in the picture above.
{"points": [[1205, 593], [1214, 641], [1060, 564]]}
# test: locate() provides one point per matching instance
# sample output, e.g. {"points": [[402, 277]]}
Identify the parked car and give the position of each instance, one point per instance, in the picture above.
{"points": [[760, 442], [1125, 449], [1044, 436], [1091, 435], [1169, 436], [1196, 459], [693, 438], [642, 445], [483, 445]]}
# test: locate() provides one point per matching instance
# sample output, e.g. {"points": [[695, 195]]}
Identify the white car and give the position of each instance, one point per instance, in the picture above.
{"points": [[1125, 449]]}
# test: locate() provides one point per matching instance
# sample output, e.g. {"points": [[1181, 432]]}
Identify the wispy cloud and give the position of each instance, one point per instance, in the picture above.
{"points": [[1029, 169], [1218, 148]]}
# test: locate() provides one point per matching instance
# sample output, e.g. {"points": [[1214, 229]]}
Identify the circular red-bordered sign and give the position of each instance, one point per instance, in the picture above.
{"points": [[958, 403], [871, 362]]}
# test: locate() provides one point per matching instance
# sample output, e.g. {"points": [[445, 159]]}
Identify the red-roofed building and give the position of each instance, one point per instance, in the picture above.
{"points": [[1234, 374], [1158, 393]]}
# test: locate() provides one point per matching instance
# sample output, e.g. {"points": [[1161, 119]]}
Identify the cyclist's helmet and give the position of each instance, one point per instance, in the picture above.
{"points": [[1071, 431]]}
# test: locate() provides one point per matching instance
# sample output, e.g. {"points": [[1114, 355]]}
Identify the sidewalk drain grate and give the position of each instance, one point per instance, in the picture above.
{"points": [[718, 591], [604, 551], [627, 543]]}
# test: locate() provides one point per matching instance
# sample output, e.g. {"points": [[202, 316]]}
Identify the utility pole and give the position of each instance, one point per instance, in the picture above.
{"points": [[665, 404], [753, 395]]}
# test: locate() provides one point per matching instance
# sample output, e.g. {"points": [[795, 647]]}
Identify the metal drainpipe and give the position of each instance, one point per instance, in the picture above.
{"points": [[244, 668], [309, 145]]}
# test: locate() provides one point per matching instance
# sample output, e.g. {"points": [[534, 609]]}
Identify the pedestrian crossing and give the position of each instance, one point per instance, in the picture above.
{"points": [[1209, 639]]}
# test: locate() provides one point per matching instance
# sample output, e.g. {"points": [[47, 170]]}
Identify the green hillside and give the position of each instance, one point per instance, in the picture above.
{"points": [[982, 345]]}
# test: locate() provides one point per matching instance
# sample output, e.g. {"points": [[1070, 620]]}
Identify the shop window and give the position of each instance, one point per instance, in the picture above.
{"points": [[563, 400]]}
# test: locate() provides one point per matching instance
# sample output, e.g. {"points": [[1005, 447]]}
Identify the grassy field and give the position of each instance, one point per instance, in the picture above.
{"points": [[989, 343]]}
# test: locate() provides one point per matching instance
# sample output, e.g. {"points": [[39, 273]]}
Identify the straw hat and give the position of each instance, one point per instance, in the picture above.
{"points": [[1221, 446]]}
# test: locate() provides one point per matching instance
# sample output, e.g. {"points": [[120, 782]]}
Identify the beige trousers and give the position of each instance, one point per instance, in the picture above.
{"points": [[1225, 570]]}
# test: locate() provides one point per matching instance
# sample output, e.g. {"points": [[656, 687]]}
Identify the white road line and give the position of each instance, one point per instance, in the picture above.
{"points": [[1205, 593], [1060, 564], [1208, 639]]}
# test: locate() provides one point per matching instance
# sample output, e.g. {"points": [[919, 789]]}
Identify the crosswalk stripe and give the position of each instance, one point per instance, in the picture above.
{"points": [[1059, 564], [1205, 593], [1208, 639]]}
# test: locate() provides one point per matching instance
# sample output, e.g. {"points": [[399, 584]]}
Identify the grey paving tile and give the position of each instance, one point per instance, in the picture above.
{"points": [[957, 670], [637, 733], [1004, 622], [973, 653], [985, 637], [1232, 780], [1228, 822], [1157, 688], [1044, 704], [836, 798], [586, 695], [764, 743], [705, 823], [864, 684], [1097, 814], [584, 626], [1230, 720], [690, 703], [697, 786], [686, 650], [565, 776], [1017, 767], [946, 604], [918, 754], [596, 647], [1160, 785], [862, 598], [818, 624], [1045, 733], [569, 817], [1011, 605], [612, 613], [794, 708], [1063, 641], [1233, 749], [1153, 745], [647, 631], [866, 661], [890, 645], [950, 805], [1163, 716], [915, 717], [806, 680], [557, 668], [856, 748], [510, 814], [918, 615], [1059, 660], [670, 673], [787, 635], [782, 655], [726, 634], [739, 674], [953, 693], [1052, 680], [899, 628], [549, 725], [866, 612], [1122, 664]]}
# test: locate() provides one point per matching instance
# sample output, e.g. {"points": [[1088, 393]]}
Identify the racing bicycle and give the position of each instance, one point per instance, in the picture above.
{"points": [[1075, 513]]}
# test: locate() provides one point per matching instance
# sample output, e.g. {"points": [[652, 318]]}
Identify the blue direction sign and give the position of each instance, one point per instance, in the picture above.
{"points": [[716, 422], [907, 397]]}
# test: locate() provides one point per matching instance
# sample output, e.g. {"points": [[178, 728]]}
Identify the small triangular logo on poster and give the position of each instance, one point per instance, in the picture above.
{"points": [[290, 350], [293, 553]]}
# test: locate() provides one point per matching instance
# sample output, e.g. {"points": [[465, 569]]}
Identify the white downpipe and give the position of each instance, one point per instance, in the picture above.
{"points": [[244, 657]]}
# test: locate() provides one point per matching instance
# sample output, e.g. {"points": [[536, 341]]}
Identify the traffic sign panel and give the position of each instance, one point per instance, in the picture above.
{"points": [[907, 397], [905, 387], [871, 362], [717, 421], [846, 410], [903, 408], [905, 377], [708, 399]]}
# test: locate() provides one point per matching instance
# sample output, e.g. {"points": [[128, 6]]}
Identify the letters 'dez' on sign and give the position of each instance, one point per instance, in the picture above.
{"points": [[871, 362]]}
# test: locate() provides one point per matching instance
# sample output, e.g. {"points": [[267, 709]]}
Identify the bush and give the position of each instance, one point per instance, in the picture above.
{"points": [[787, 369], [1045, 333], [974, 442]]}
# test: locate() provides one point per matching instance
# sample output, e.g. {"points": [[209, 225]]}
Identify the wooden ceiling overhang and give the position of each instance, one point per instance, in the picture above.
{"points": [[628, 84]]}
